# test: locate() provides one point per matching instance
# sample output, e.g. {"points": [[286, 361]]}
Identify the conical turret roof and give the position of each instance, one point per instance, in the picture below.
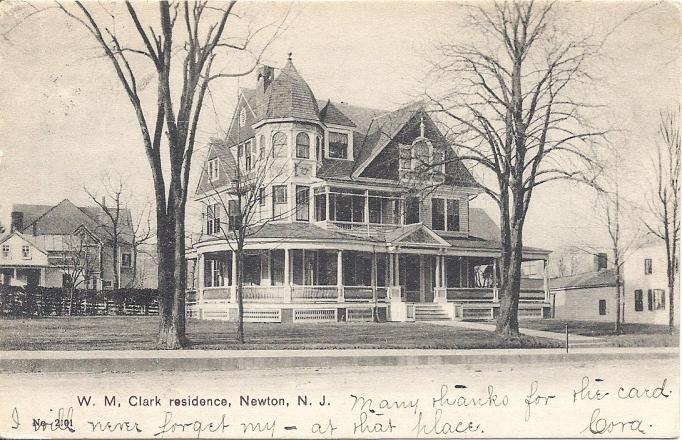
{"points": [[290, 96]]}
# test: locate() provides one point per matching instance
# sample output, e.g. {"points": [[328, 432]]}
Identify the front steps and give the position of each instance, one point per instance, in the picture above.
{"points": [[430, 312]]}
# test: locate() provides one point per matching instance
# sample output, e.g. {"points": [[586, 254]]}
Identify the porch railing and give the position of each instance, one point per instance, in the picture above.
{"points": [[263, 293], [358, 293], [469, 293], [217, 292], [314, 293], [532, 294]]}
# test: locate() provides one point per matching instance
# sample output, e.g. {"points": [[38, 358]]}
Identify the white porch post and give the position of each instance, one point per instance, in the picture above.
{"points": [[14, 270], [366, 212], [326, 205], [437, 271], [496, 290], [391, 278], [422, 278], [339, 274], [397, 270], [374, 276], [200, 281], [545, 279], [233, 276], [287, 275]]}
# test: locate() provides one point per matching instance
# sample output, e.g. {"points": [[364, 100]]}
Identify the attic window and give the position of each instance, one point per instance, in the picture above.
{"points": [[5, 251], [26, 252], [422, 155], [338, 145], [242, 117], [213, 169]]}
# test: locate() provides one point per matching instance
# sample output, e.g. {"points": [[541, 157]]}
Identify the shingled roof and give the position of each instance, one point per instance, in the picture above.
{"points": [[289, 96], [65, 217], [603, 278]]}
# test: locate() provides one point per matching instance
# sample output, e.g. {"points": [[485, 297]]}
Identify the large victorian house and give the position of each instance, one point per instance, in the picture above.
{"points": [[372, 212]]}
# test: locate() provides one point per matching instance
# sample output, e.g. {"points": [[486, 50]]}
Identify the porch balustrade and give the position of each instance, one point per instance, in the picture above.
{"points": [[469, 293], [210, 293], [358, 293], [314, 293], [263, 293]]}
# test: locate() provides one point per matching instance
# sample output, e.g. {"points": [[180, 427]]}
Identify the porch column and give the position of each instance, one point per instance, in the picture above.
{"points": [[496, 290], [326, 205], [396, 272], [545, 279], [374, 276], [200, 281], [437, 271], [339, 274], [15, 276], [233, 276], [366, 212], [422, 278], [286, 268], [391, 277]]}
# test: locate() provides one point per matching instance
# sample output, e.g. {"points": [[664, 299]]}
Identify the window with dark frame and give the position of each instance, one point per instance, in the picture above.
{"points": [[639, 301], [261, 151], [302, 146], [248, 156], [338, 145], [452, 220], [213, 170], [602, 307], [261, 196], [302, 203], [279, 194], [213, 212], [659, 299], [234, 216], [438, 214], [5, 251], [126, 260], [279, 144], [318, 148], [648, 266], [411, 210]]}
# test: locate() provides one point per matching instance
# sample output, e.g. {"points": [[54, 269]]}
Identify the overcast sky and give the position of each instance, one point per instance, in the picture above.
{"points": [[64, 118]]}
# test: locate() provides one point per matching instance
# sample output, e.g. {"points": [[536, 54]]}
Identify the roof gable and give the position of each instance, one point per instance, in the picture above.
{"points": [[417, 234], [226, 171], [330, 114], [237, 132]]}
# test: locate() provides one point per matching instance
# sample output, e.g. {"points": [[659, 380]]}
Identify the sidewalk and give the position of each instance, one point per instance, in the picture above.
{"points": [[225, 360], [573, 340]]}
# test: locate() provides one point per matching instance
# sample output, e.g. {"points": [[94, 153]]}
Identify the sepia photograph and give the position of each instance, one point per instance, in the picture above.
{"points": [[340, 219]]}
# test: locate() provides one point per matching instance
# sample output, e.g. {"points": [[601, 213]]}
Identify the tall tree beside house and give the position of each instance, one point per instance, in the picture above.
{"points": [[664, 203], [253, 172], [513, 104], [189, 47]]}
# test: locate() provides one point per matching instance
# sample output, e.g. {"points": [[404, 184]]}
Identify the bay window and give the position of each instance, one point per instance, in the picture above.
{"points": [[279, 144]]}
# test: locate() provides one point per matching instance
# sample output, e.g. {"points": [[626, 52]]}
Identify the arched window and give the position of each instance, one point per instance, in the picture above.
{"points": [[279, 144], [422, 155], [302, 146], [261, 146]]}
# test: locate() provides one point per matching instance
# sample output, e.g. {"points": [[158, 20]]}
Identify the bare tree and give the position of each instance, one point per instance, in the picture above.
{"points": [[252, 180], [113, 225], [80, 260], [143, 233], [664, 203], [193, 35], [513, 108]]}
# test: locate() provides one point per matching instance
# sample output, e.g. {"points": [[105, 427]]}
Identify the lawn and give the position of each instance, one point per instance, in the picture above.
{"points": [[633, 335], [138, 333]]}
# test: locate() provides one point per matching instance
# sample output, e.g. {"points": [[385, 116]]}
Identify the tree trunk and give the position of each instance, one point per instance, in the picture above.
{"points": [[508, 320], [114, 263], [171, 322], [240, 296], [618, 327]]}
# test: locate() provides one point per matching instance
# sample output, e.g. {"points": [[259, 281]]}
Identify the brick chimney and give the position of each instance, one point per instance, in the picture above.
{"points": [[265, 76], [600, 261], [17, 221]]}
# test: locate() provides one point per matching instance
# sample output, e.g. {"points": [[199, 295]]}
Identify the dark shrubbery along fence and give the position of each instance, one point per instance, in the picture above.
{"points": [[33, 301]]}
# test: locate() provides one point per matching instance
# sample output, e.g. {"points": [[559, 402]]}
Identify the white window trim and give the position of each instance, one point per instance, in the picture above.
{"points": [[26, 255], [349, 152], [6, 251], [213, 169], [127, 266]]}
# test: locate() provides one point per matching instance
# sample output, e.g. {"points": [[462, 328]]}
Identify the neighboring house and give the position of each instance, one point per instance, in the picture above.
{"points": [[588, 296], [61, 239], [645, 283], [22, 263], [592, 296], [353, 224]]}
